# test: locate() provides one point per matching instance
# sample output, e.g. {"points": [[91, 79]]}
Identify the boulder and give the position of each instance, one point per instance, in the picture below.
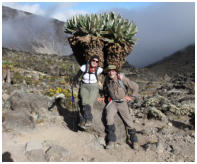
{"points": [[56, 153], [34, 152], [156, 114], [24, 110], [45, 151], [99, 119]]}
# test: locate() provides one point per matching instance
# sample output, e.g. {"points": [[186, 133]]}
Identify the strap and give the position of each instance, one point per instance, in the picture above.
{"points": [[96, 74], [87, 67], [122, 85], [109, 103], [87, 71]]}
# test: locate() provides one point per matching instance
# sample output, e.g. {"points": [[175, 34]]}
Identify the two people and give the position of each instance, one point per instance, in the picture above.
{"points": [[115, 92]]}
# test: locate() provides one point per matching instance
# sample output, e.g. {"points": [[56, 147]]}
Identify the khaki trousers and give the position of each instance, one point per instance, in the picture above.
{"points": [[123, 110]]}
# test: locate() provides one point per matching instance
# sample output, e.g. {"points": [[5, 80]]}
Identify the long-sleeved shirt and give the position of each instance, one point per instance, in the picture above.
{"points": [[116, 91]]}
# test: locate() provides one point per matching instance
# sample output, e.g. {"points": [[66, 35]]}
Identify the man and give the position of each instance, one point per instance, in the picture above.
{"points": [[115, 91], [88, 89]]}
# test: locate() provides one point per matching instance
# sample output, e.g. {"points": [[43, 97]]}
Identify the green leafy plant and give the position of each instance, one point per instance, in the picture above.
{"points": [[111, 26]]}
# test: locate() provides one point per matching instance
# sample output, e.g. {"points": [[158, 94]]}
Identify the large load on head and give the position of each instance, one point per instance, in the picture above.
{"points": [[107, 35]]}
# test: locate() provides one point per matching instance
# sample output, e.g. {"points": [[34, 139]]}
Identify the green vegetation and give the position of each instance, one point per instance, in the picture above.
{"points": [[68, 95], [111, 26], [107, 35], [6, 64], [18, 78]]}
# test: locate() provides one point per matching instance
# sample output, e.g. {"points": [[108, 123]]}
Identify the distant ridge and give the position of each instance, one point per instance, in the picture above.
{"points": [[182, 61], [34, 33]]}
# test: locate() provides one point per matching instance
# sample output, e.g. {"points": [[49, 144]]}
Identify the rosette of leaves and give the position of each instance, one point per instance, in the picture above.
{"points": [[107, 35]]}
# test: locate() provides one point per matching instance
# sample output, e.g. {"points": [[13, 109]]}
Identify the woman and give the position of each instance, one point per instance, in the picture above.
{"points": [[88, 89]]}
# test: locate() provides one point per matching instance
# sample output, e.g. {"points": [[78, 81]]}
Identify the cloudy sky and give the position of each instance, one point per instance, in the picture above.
{"points": [[164, 27]]}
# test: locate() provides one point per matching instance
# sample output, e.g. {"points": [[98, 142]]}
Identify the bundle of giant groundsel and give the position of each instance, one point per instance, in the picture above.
{"points": [[107, 35]]}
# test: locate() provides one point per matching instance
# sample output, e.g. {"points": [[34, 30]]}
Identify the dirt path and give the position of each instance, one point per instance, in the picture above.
{"points": [[81, 146]]}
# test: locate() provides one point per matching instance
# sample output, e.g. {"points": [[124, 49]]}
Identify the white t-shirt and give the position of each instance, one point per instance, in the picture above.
{"points": [[90, 78]]}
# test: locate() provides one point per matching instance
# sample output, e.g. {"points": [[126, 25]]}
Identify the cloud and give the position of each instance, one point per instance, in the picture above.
{"points": [[164, 28], [63, 11], [63, 16], [35, 8], [33, 33], [60, 11]]}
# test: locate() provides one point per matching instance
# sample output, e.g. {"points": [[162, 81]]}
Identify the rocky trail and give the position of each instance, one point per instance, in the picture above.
{"points": [[163, 115], [58, 143]]}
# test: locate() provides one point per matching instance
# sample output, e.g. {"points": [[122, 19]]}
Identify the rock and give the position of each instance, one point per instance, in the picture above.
{"points": [[36, 156], [93, 159], [150, 146], [166, 77], [101, 141], [98, 142], [34, 152], [156, 114], [174, 109], [170, 124], [160, 147], [99, 121], [25, 109], [46, 151], [35, 75], [56, 153], [18, 121], [5, 96], [33, 145]]}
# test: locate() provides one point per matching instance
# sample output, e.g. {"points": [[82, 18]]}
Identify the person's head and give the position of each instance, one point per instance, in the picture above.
{"points": [[112, 71], [94, 61]]}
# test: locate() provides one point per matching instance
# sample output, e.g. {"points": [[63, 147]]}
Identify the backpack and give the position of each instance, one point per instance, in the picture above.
{"points": [[122, 85], [87, 71]]}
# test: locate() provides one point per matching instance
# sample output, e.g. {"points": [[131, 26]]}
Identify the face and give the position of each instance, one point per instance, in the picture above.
{"points": [[112, 74], [94, 62]]}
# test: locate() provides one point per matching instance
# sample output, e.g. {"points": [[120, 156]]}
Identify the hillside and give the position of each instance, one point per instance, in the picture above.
{"points": [[37, 33], [41, 127], [40, 121], [182, 61]]}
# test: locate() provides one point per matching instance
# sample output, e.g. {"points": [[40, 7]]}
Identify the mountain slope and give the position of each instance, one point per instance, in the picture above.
{"points": [[28, 32], [43, 127], [182, 61]]}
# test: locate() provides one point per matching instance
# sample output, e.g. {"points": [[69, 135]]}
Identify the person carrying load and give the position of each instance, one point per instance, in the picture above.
{"points": [[88, 89], [115, 90]]}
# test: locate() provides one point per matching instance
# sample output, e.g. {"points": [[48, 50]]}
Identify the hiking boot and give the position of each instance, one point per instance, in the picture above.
{"points": [[110, 145], [135, 146], [132, 139], [88, 123], [82, 125]]}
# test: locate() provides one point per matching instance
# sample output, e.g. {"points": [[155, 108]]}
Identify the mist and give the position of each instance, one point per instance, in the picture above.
{"points": [[33, 33], [164, 28]]}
